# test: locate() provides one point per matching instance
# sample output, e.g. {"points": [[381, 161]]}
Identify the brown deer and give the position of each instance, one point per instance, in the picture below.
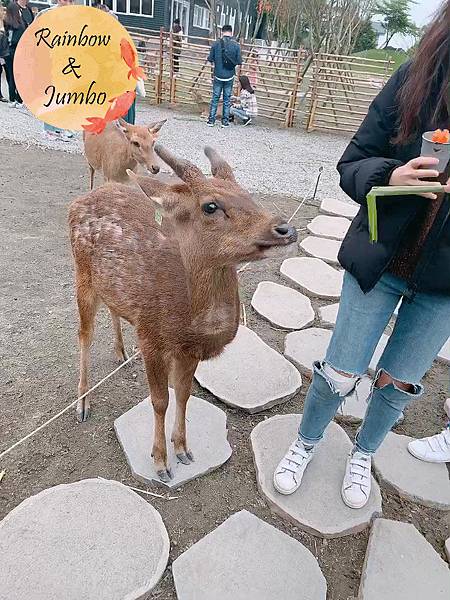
{"points": [[121, 147], [176, 283]]}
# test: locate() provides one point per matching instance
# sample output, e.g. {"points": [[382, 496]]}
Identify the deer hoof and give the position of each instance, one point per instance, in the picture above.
{"points": [[122, 355], [83, 413], [185, 457], [165, 475]]}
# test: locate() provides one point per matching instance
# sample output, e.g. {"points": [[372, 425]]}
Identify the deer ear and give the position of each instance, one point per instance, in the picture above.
{"points": [[155, 127], [123, 125]]}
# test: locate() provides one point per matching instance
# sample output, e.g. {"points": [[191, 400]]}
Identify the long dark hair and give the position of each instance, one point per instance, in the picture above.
{"points": [[13, 18], [245, 83], [424, 95]]}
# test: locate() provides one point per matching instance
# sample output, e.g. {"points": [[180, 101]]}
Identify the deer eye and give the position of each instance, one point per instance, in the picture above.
{"points": [[210, 208], [135, 144]]}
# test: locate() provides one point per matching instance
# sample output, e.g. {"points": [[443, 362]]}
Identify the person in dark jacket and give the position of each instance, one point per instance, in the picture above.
{"points": [[225, 55], [4, 51], [410, 262], [14, 28]]}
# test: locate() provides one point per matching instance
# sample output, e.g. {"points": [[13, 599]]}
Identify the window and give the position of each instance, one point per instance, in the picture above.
{"points": [[128, 7], [201, 17]]}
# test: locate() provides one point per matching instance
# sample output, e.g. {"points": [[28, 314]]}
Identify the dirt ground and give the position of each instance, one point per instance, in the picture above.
{"points": [[39, 370]]}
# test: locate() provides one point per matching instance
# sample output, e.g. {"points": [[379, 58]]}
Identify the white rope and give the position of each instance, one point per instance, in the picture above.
{"points": [[61, 412]]}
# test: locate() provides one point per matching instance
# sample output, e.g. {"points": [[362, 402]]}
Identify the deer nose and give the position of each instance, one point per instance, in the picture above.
{"points": [[285, 230], [155, 170]]}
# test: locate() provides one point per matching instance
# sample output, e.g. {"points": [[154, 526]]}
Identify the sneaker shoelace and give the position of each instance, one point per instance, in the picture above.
{"points": [[440, 442], [359, 471], [290, 462]]}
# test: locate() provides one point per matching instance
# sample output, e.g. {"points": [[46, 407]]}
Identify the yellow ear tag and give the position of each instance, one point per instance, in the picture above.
{"points": [[158, 216]]}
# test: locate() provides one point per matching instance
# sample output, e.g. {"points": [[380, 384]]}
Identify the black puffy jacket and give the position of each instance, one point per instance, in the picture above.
{"points": [[369, 161]]}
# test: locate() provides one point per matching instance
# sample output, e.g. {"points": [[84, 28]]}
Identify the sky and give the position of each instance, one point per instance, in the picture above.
{"points": [[421, 14]]}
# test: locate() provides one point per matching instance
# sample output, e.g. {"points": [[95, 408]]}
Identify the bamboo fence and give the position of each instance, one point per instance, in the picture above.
{"points": [[335, 95]]}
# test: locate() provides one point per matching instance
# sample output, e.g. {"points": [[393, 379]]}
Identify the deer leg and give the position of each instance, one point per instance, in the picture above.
{"points": [[183, 373], [87, 308], [157, 377], [91, 177], [119, 347]]}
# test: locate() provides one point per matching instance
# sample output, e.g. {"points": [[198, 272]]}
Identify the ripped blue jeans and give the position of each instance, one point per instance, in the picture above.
{"points": [[421, 329]]}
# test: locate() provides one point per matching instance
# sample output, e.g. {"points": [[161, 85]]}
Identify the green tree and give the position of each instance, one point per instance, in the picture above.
{"points": [[366, 38], [396, 18]]}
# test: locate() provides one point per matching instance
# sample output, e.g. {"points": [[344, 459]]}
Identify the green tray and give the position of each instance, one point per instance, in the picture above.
{"points": [[393, 190]]}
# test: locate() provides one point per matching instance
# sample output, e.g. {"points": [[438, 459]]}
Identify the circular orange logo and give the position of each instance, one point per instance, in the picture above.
{"points": [[76, 68]]}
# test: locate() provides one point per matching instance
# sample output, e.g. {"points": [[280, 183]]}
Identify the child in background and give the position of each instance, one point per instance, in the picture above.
{"points": [[246, 108]]}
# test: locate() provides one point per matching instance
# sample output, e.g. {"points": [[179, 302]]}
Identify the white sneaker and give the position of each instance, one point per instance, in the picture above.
{"points": [[434, 449], [289, 472], [357, 480]]}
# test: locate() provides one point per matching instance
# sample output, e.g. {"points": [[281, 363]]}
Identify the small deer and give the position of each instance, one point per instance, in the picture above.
{"points": [[121, 147], [174, 280]]}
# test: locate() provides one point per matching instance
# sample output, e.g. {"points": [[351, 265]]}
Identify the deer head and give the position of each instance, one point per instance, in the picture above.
{"points": [[215, 219], [142, 141]]}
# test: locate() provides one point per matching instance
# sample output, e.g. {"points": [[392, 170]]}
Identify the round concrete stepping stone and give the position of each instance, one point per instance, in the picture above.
{"points": [[206, 430], [444, 354], [303, 348], [91, 540], [422, 482], [332, 206], [248, 559], [282, 306], [447, 407], [306, 346], [314, 276], [249, 374], [328, 314], [317, 507], [401, 565], [447, 549], [322, 248], [329, 227]]}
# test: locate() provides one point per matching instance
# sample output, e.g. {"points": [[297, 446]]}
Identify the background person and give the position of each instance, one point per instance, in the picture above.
{"points": [[247, 108], [177, 44], [225, 55], [14, 28], [4, 51], [411, 261]]}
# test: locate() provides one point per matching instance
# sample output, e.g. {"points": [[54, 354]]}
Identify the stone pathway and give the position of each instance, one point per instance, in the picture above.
{"points": [[206, 427], [247, 559], [314, 276], [331, 206], [322, 248], [328, 314], [305, 347], [444, 354], [317, 507], [425, 483], [401, 565], [249, 374], [447, 549], [92, 540], [329, 227], [282, 306]]}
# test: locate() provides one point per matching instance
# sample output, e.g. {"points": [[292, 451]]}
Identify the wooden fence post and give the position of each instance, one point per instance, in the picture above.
{"points": [[290, 112], [314, 99], [172, 91], [160, 67]]}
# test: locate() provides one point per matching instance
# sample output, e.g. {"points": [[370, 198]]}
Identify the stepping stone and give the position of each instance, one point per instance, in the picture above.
{"points": [[401, 565], [249, 374], [206, 427], [306, 346], [92, 540], [447, 407], [317, 507], [328, 314], [248, 559], [303, 348], [447, 549], [329, 227], [314, 276], [422, 482], [322, 248], [444, 354], [282, 306], [331, 206]]}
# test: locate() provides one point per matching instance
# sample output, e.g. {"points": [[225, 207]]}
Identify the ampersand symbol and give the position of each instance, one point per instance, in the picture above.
{"points": [[70, 68]]}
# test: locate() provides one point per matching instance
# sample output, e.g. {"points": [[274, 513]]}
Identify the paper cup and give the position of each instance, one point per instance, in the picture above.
{"points": [[436, 150]]}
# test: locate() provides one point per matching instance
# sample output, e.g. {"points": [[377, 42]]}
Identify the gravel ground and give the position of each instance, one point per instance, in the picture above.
{"points": [[282, 162]]}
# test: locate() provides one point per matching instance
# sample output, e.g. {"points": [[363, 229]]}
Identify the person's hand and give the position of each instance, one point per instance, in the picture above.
{"points": [[414, 171]]}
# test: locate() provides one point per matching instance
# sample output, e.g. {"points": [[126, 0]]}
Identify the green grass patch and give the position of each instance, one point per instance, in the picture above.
{"points": [[378, 54]]}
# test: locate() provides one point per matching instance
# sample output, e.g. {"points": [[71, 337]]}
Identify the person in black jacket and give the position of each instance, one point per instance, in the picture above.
{"points": [[14, 28], [410, 263]]}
